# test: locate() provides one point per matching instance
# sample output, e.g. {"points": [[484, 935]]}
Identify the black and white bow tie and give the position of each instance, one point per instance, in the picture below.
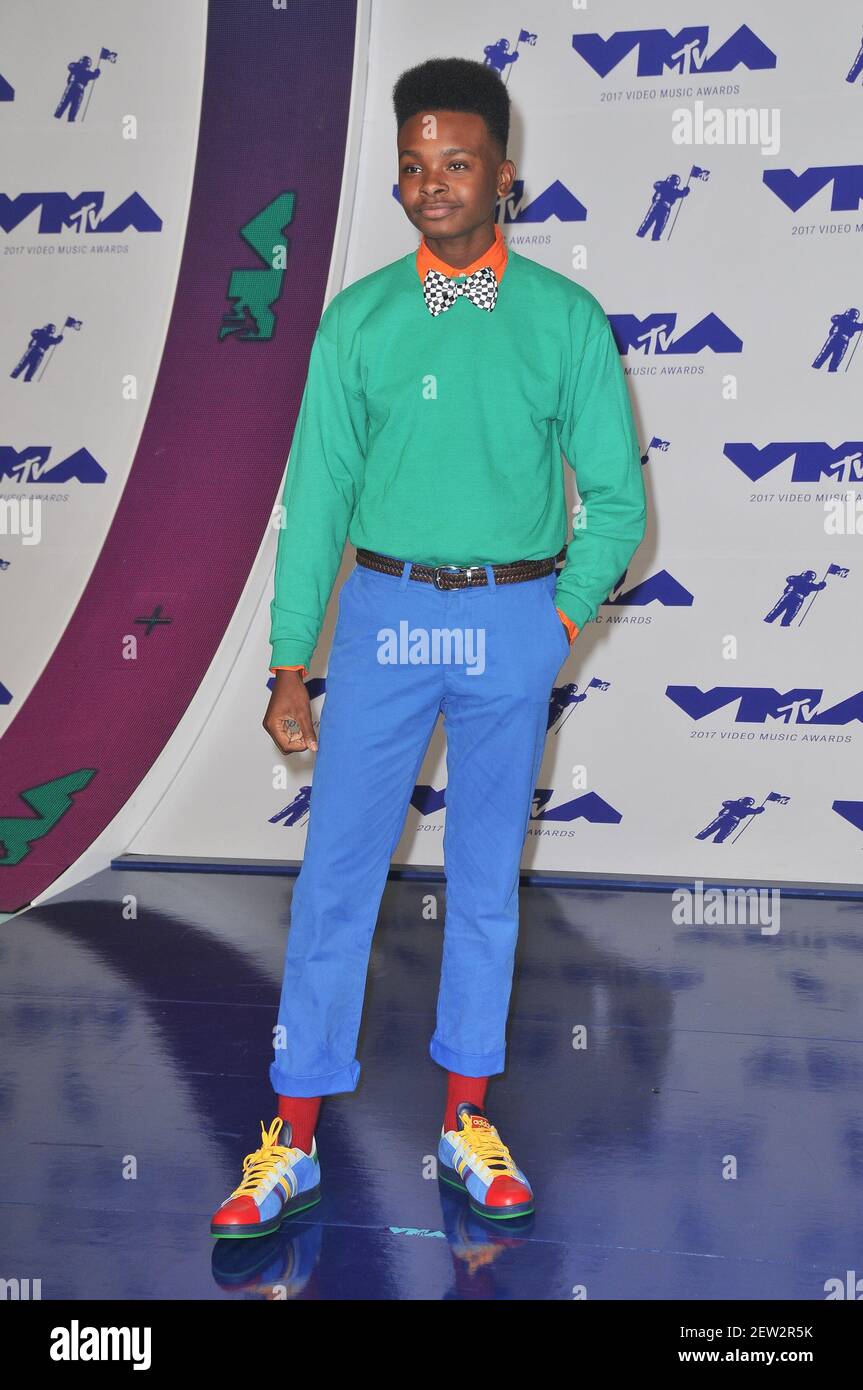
{"points": [[440, 292]]}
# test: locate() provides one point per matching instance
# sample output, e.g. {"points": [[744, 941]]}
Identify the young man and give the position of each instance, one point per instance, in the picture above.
{"points": [[440, 391]]}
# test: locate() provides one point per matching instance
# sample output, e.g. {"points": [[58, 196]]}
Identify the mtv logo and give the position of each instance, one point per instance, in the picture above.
{"points": [[80, 214], [813, 460], [656, 335], [685, 52]]}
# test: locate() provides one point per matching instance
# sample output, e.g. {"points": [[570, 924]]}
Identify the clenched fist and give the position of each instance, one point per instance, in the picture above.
{"points": [[288, 719]]}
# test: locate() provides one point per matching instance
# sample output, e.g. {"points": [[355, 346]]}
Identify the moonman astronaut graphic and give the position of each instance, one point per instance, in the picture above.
{"points": [[665, 195], [840, 335], [80, 74], [498, 56], [561, 697], [296, 810], [729, 818], [857, 66], [40, 341], [797, 588]]}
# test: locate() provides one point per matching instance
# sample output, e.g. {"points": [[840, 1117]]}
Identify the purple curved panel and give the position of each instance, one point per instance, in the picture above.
{"points": [[269, 165]]}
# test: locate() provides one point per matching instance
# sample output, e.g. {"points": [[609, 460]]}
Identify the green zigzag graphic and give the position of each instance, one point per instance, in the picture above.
{"points": [[50, 802], [255, 290]]}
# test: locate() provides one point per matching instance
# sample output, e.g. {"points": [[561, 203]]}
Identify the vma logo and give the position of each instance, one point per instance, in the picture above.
{"points": [[554, 201], [852, 812], [61, 212], [657, 336], [795, 190], [813, 460], [685, 52], [661, 588], [590, 808], [31, 465], [756, 704]]}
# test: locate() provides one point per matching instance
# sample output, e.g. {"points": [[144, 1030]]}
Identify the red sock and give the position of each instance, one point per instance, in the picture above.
{"points": [[301, 1113], [471, 1088]]}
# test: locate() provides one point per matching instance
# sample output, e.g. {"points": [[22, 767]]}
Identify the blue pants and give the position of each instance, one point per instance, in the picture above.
{"points": [[377, 721]]}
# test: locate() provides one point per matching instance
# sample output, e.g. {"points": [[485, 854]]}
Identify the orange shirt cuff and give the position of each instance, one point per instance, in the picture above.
{"points": [[302, 669], [571, 628]]}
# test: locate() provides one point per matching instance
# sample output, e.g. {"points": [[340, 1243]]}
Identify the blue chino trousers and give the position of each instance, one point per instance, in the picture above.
{"points": [[381, 706]]}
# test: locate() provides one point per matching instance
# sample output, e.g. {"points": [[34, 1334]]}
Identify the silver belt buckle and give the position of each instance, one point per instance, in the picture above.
{"points": [[448, 569], [469, 570]]}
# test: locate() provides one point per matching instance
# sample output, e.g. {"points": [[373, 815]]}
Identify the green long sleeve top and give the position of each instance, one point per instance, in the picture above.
{"points": [[438, 439]]}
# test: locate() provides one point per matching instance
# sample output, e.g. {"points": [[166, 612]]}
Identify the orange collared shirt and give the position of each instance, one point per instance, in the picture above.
{"points": [[495, 256]]}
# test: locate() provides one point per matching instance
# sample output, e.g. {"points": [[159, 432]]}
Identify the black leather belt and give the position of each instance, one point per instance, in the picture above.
{"points": [[462, 576]]}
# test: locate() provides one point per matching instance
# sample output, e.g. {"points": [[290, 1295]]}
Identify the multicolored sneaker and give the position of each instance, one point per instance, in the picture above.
{"points": [[279, 1181], [475, 1158]]}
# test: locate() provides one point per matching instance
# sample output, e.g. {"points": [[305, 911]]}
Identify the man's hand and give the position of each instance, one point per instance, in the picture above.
{"points": [[288, 719]]}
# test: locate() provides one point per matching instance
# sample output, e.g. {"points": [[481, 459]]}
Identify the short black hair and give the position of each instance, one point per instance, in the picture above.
{"points": [[455, 84]]}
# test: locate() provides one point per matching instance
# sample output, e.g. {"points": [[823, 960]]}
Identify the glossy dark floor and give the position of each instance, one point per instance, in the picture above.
{"points": [[134, 1078]]}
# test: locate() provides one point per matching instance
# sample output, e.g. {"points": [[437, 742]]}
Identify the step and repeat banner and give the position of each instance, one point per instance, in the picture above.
{"points": [[698, 168]]}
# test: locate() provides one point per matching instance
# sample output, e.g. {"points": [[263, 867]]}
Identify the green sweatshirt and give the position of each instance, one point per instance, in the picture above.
{"points": [[438, 439]]}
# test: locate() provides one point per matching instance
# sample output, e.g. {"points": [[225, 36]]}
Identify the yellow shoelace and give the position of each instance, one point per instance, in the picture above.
{"points": [[488, 1146], [261, 1164]]}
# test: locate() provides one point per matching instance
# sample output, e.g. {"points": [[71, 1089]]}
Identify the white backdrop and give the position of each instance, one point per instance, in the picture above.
{"points": [[653, 759]]}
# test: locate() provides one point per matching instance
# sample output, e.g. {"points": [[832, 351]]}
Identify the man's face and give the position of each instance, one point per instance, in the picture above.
{"points": [[450, 175]]}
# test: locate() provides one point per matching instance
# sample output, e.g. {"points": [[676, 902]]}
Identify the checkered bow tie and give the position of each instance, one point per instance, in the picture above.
{"points": [[440, 292]]}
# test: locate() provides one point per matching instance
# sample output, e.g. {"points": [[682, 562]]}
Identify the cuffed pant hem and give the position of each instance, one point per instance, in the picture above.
{"points": [[467, 1063], [345, 1079]]}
